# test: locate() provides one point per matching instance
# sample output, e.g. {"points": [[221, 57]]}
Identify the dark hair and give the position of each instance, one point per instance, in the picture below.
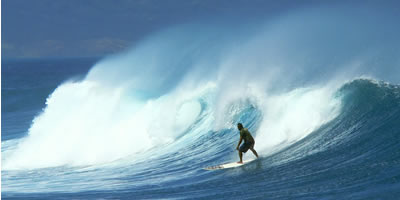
{"points": [[240, 126]]}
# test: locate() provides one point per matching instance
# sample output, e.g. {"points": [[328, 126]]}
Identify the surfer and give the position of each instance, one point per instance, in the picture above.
{"points": [[248, 142]]}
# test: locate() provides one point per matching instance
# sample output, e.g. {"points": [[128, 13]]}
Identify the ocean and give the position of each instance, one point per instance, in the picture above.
{"points": [[142, 124]]}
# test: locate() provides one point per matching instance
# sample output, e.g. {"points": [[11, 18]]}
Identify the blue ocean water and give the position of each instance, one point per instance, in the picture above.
{"points": [[142, 124], [355, 155]]}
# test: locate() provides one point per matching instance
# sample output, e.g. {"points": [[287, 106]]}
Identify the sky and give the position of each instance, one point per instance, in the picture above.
{"points": [[76, 28], [92, 28]]}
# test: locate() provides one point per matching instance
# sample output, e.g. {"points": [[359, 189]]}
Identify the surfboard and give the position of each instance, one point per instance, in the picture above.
{"points": [[228, 165]]}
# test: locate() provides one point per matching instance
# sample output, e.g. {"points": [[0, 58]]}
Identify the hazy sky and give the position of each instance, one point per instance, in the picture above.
{"points": [[69, 28], [65, 28]]}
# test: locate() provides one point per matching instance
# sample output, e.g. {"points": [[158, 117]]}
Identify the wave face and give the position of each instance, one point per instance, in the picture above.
{"points": [[143, 123]]}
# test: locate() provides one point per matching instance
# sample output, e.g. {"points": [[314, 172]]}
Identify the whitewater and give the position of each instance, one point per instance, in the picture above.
{"points": [[321, 99]]}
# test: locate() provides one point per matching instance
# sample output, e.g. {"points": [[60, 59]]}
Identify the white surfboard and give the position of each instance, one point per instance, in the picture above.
{"points": [[229, 165]]}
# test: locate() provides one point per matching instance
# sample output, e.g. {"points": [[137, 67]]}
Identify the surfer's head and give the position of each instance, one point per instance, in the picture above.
{"points": [[240, 126]]}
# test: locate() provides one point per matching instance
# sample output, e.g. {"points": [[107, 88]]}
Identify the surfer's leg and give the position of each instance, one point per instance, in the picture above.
{"points": [[253, 150], [240, 156]]}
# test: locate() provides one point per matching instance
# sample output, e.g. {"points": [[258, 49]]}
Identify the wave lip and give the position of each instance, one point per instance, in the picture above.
{"points": [[365, 130]]}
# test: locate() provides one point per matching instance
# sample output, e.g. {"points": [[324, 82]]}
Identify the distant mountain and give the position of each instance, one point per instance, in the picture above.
{"points": [[60, 48]]}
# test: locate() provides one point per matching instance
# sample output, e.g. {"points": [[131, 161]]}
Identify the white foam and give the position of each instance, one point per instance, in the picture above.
{"points": [[289, 117], [87, 123]]}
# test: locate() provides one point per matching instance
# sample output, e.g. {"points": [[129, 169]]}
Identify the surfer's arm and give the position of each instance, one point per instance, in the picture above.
{"points": [[240, 141]]}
